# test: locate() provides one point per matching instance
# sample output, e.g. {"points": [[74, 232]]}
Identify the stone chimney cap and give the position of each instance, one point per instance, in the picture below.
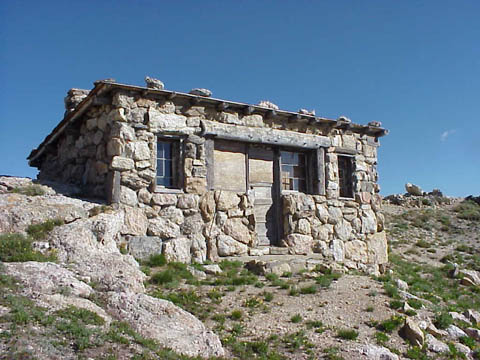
{"points": [[200, 92], [268, 104], [153, 83]]}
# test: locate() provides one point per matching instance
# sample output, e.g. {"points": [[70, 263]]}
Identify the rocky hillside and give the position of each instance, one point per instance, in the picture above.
{"points": [[68, 290]]}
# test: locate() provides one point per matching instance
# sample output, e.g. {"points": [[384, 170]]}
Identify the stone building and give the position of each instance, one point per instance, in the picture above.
{"points": [[201, 178]]}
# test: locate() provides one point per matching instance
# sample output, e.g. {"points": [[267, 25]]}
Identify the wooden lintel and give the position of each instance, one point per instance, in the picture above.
{"points": [[248, 110], [172, 95], [294, 118], [195, 101], [271, 113], [265, 136]]}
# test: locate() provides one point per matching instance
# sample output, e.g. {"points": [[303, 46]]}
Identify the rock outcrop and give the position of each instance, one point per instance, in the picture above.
{"points": [[90, 264]]}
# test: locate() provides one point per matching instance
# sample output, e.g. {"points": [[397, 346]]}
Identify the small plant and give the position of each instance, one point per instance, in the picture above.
{"points": [[381, 337], [293, 291], [331, 353], [40, 231], [468, 210], [443, 320], [467, 340], [423, 244], [236, 315], [156, 260], [396, 304], [296, 319], [390, 324], [30, 190], [370, 308], [415, 303], [347, 334], [16, 247], [314, 324], [312, 289], [252, 302], [326, 279], [417, 353], [267, 296]]}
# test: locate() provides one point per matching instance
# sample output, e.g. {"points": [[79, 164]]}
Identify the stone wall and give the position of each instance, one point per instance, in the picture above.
{"points": [[80, 156], [191, 227], [111, 151]]}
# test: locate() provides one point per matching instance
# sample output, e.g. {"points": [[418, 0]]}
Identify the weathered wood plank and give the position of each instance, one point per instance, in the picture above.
{"points": [[209, 162], [320, 172], [265, 136]]}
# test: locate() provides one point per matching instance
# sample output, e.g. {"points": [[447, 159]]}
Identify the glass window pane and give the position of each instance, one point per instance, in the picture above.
{"points": [[167, 149], [160, 150], [160, 168], [168, 168]]}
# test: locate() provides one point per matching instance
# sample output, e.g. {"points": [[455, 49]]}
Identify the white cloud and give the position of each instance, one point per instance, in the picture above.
{"points": [[446, 134]]}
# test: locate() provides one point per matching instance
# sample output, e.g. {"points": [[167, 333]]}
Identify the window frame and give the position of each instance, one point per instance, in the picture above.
{"points": [[176, 156], [349, 185], [306, 172]]}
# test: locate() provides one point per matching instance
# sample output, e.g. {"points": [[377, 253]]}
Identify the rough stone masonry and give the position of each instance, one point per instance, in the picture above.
{"points": [[202, 178]]}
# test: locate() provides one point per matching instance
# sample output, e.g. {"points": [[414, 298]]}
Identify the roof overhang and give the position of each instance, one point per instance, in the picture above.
{"points": [[103, 87]]}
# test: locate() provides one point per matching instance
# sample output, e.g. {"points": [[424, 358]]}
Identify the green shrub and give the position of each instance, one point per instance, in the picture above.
{"points": [[390, 324], [267, 296], [423, 244], [40, 231], [381, 337], [156, 260], [86, 316], [467, 340], [325, 280], [416, 353], [16, 247], [171, 276], [443, 320], [347, 334], [30, 190], [296, 319], [396, 304], [314, 324], [312, 289], [236, 314], [468, 210]]}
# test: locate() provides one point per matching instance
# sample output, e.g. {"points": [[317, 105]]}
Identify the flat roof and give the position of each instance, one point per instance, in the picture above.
{"points": [[105, 86]]}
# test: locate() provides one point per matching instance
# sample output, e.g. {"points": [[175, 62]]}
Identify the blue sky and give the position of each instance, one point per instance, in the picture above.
{"points": [[413, 65]]}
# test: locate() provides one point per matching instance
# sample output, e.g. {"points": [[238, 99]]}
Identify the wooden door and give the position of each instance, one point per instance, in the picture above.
{"points": [[261, 181]]}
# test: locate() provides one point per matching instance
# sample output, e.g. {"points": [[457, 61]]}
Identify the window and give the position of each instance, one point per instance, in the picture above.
{"points": [[166, 164], [345, 171], [293, 171]]}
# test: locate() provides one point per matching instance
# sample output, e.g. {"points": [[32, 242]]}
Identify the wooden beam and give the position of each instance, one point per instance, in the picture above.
{"points": [[171, 95], [248, 110], [222, 106], [320, 181], [195, 101], [265, 136], [209, 162], [270, 114], [295, 118]]}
